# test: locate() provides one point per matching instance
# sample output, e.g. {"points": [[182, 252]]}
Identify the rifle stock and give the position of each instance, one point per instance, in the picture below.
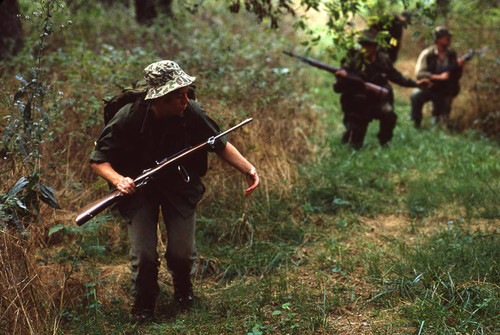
{"points": [[379, 91], [90, 211]]}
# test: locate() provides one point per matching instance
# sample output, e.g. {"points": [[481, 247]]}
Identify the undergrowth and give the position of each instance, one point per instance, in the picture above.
{"points": [[448, 279]]}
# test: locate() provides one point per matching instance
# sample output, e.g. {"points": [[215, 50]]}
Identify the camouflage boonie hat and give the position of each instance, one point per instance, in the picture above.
{"points": [[441, 31], [164, 77]]}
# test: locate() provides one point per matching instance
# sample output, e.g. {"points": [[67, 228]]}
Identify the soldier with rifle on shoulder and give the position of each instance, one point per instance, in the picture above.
{"points": [[161, 123], [361, 106], [439, 64]]}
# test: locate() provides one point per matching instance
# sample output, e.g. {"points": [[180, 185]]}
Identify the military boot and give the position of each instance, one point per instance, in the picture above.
{"points": [[143, 309], [183, 290], [141, 316]]}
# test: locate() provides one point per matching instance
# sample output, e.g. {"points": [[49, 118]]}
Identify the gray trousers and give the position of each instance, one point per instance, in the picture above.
{"points": [[441, 105], [181, 251]]}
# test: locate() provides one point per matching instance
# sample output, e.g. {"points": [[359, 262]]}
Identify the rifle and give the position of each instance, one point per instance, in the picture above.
{"points": [[451, 86], [467, 57], [380, 92], [91, 210]]}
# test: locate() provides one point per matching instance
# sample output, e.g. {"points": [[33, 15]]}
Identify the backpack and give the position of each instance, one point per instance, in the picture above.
{"points": [[130, 95]]}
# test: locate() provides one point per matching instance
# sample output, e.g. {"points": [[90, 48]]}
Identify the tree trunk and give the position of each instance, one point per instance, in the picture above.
{"points": [[145, 11], [11, 38]]}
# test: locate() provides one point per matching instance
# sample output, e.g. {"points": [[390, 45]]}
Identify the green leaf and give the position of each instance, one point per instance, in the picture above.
{"points": [[20, 204], [47, 195], [21, 92], [18, 186], [21, 79], [56, 228], [94, 249], [340, 202]]}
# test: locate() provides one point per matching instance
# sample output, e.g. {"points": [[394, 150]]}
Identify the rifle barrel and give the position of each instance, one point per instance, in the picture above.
{"points": [[313, 62], [379, 91], [187, 152]]}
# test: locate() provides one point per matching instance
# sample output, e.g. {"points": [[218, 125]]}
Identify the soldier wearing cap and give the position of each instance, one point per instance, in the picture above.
{"points": [[360, 106], [432, 63], [160, 124]]}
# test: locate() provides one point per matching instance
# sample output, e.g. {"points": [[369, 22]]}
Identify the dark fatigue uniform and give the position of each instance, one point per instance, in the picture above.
{"points": [[441, 94], [360, 107], [133, 141]]}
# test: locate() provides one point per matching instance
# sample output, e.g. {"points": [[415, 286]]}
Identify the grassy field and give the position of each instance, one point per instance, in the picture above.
{"points": [[397, 240]]}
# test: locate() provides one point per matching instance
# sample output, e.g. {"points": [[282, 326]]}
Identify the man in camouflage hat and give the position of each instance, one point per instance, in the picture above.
{"points": [[360, 106], [158, 125], [439, 64]]}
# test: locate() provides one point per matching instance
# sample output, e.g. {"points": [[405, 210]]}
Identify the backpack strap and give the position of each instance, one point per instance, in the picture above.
{"points": [[142, 107]]}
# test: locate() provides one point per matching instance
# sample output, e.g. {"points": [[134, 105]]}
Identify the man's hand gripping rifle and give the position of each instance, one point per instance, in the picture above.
{"points": [[91, 210], [380, 92], [465, 58]]}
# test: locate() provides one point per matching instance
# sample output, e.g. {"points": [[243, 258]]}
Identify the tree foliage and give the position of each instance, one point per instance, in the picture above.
{"points": [[344, 17]]}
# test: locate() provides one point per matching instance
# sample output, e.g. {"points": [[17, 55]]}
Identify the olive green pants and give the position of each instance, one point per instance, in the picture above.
{"points": [[180, 254]]}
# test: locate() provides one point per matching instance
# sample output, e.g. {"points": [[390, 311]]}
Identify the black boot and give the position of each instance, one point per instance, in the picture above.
{"points": [[144, 290], [183, 290], [143, 309], [141, 316]]}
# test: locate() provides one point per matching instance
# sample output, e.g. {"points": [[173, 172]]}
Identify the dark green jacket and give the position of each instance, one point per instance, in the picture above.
{"points": [[134, 141]]}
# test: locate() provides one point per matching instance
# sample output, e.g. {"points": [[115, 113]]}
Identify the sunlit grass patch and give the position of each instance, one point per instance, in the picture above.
{"points": [[444, 283]]}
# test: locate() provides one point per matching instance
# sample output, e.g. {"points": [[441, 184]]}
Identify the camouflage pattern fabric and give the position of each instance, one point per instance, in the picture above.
{"points": [[164, 77]]}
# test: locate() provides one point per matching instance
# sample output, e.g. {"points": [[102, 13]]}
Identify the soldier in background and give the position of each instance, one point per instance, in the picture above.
{"points": [[439, 64], [360, 106]]}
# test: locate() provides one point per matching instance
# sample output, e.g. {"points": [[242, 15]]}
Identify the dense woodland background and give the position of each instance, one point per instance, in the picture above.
{"points": [[376, 241]]}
